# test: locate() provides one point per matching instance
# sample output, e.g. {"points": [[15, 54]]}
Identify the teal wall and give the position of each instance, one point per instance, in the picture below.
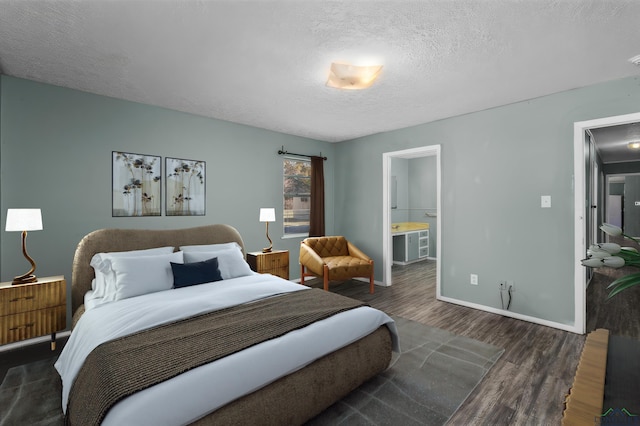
{"points": [[423, 197], [495, 166], [55, 154], [56, 149], [622, 168], [631, 210], [400, 169]]}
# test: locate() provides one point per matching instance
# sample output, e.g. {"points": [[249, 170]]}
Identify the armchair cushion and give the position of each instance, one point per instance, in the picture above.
{"points": [[346, 267]]}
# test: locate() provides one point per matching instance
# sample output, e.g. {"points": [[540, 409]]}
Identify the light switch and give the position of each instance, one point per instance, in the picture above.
{"points": [[545, 201]]}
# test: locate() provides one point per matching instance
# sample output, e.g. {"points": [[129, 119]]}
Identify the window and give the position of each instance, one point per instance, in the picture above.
{"points": [[296, 190]]}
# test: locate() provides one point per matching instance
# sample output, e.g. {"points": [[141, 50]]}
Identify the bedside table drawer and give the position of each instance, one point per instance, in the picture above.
{"points": [[27, 325], [270, 263], [25, 298], [275, 263]]}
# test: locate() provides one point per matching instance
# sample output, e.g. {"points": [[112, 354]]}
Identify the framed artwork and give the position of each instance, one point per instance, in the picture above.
{"points": [[137, 183], [185, 187]]}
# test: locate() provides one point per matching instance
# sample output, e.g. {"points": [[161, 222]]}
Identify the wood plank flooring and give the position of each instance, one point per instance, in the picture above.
{"points": [[620, 314], [526, 386]]}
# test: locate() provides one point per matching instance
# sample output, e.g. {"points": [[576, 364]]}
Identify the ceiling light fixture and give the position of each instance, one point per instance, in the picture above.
{"points": [[635, 60], [352, 77], [634, 145]]}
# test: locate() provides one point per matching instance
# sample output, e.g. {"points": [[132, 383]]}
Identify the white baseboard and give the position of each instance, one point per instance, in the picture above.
{"points": [[552, 324], [34, 341]]}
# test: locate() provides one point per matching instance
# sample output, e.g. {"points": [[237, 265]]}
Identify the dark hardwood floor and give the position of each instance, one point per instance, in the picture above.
{"points": [[527, 385], [620, 314]]}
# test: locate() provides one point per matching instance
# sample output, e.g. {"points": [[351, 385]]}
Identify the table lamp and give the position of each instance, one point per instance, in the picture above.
{"points": [[24, 220], [268, 215]]}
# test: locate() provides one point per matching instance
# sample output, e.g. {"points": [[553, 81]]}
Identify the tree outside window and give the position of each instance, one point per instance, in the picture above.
{"points": [[297, 193]]}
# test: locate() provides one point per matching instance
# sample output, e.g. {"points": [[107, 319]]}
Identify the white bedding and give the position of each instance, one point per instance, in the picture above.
{"points": [[190, 396]]}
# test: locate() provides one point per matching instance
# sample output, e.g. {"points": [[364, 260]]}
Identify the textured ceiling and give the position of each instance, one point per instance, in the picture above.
{"points": [[265, 63], [612, 142]]}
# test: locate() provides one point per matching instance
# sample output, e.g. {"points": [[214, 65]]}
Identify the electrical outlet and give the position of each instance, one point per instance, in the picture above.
{"points": [[503, 285], [545, 201], [511, 285], [473, 279]]}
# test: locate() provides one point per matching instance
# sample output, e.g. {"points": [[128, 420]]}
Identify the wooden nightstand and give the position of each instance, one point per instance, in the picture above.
{"points": [[275, 262], [33, 310]]}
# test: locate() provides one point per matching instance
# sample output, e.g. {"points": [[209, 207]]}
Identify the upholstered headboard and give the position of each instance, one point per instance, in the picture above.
{"points": [[110, 240]]}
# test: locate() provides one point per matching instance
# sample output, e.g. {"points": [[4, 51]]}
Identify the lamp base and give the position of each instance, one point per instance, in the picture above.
{"points": [[24, 279], [267, 250]]}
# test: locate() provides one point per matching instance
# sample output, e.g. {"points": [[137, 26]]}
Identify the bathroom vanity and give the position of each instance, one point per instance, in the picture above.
{"points": [[410, 242]]}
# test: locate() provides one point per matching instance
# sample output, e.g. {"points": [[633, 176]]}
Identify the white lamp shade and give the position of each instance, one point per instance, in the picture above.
{"points": [[24, 220], [267, 214]]}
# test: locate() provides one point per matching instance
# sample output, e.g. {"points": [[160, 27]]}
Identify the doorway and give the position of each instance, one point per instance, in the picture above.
{"points": [[583, 165], [387, 201]]}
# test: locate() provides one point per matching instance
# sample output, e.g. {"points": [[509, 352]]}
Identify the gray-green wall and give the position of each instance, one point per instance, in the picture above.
{"points": [[622, 168], [495, 166], [631, 206], [423, 196], [56, 147]]}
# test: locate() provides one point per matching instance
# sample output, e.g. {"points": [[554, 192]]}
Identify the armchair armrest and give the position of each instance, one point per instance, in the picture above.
{"points": [[356, 252], [311, 259]]}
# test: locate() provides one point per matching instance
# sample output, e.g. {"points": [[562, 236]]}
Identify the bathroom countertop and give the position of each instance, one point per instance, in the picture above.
{"points": [[400, 227]]}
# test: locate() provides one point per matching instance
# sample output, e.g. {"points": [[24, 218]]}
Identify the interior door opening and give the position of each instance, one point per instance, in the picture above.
{"points": [[389, 201], [586, 183]]}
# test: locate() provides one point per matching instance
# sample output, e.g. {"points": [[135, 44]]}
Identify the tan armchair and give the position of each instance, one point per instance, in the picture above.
{"points": [[334, 259]]}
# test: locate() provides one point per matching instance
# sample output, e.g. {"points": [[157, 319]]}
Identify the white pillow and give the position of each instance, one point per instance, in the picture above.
{"points": [[104, 285], [140, 275], [230, 262], [210, 247]]}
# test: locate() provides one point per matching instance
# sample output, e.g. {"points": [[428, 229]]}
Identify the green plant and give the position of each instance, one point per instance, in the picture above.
{"points": [[614, 256]]}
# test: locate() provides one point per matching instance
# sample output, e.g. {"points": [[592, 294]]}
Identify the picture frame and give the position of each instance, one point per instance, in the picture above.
{"points": [[136, 184], [185, 187]]}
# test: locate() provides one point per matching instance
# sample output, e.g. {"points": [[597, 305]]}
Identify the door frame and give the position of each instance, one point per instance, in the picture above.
{"points": [[387, 257], [579, 192]]}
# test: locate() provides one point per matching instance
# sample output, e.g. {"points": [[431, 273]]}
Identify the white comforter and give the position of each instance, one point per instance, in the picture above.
{"points": [[190, 396]]}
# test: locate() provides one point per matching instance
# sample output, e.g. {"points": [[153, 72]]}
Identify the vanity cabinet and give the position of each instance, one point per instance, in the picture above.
{"points": [[423, 246], [410, 246]]}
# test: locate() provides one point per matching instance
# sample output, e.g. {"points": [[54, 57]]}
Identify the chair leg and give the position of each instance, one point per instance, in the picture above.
{"points": [[326, 277], [371, 288], [302, 274]]}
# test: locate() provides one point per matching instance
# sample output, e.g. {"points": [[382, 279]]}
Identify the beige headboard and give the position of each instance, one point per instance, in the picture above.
{"points": [[109, 240]]}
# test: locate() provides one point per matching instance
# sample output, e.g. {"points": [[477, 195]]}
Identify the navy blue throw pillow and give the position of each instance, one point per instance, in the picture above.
{"points": [[186, 274]]}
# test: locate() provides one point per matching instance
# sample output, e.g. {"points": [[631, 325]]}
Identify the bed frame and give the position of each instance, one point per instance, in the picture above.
{"points": [[292, 399]]}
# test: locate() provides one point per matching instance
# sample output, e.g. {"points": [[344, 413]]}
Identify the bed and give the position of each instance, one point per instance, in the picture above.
{"points": [[287, 379]]}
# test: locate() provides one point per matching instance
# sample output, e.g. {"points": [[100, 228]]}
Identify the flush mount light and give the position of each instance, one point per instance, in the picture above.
{"points": [[352, 77], [634, 145]]}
